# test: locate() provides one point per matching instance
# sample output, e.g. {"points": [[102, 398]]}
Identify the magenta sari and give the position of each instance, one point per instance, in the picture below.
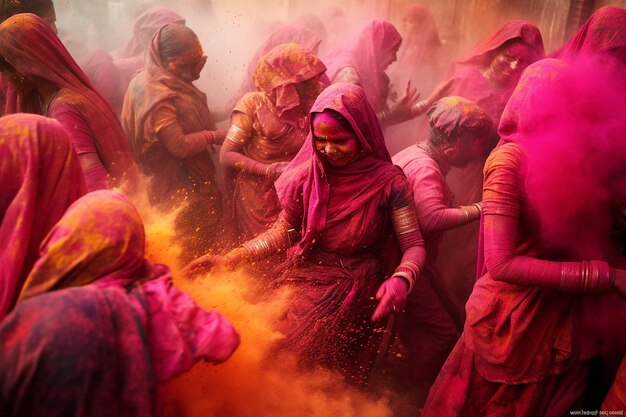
{"points": [[40, 178], [343, 255], [461, 244], [363, 51], [529, 335], [31, 47], [101, 241], [602, 33]]}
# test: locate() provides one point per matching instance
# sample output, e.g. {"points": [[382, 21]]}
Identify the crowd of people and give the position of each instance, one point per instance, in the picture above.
{"points": [[481, 271]]}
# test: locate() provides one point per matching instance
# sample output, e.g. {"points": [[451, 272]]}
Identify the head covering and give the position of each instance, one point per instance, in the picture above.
{"points": [[305, 183], [280, 69], [40, 177], [483, 52], [522, 114], [569, 118], [32, 48], [100, 235], [363, 51], [422, 43], [603, 32], [101, 241], [152, 87], [284, 34], [149, 22], [453, 115]]}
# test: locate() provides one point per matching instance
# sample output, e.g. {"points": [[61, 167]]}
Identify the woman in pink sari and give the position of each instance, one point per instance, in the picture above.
{"points": [[40, 178], [268, 128], [363, 59], [102, 349], [11, 99], [171, 131], [486, 76], [344, 205], [543, 310], [34, 57]]}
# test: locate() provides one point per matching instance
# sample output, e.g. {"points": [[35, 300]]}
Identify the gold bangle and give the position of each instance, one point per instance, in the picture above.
{"points": [[237, 134], [405, 220]]}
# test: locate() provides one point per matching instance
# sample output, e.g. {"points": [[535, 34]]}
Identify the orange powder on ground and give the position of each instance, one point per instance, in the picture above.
{"points": [[252, 382]]}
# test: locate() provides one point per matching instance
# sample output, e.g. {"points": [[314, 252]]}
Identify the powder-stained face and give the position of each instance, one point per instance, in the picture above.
{"points": [[336, 143], [389, 57], [507, 65], [189, 65], [308, 91]]}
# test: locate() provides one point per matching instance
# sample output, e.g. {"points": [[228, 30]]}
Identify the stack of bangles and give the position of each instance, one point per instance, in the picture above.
{"points": [[266, 244], [408, 271], [587, 276], [418, 108], [470, 213]]}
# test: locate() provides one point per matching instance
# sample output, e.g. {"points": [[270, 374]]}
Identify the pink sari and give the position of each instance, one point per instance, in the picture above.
{"points": [[344, 252], [528, 335], [32, 48], [363, 51], [602, 33], [461, 244], [101, 241], [40, 178]]}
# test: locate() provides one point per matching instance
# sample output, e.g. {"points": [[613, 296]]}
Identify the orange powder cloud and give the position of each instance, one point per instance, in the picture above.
{"points": [[253, 382]]}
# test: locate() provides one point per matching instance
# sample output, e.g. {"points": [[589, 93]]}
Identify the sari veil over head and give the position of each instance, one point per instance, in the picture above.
{"points": [[603, 32], [100, 242], [40, 178], [482, 53], [30, 46], [279, 70], [363, 51], [304, 190]]}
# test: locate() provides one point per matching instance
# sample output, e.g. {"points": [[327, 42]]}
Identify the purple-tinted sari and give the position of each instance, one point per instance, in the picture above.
{"points": [[40, 178]]}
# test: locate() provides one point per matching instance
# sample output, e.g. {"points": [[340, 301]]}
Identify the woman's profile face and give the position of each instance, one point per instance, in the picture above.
{"points": [[509, 62], [389, 57], [335, 142]]}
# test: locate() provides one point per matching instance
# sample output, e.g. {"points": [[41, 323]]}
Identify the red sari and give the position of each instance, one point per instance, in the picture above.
{"points": [[40, 177], [344, 253], [31, 47], [279, 125], [535, 318], [363, 52], [103, 348]]}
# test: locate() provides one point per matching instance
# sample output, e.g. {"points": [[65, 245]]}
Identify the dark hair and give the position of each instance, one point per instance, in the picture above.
{"points": [[10, 8], [176, 40]]}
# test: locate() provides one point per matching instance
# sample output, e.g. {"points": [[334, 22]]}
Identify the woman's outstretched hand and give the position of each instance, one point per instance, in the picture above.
{"points": [[203, 264], [391, 296]]}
